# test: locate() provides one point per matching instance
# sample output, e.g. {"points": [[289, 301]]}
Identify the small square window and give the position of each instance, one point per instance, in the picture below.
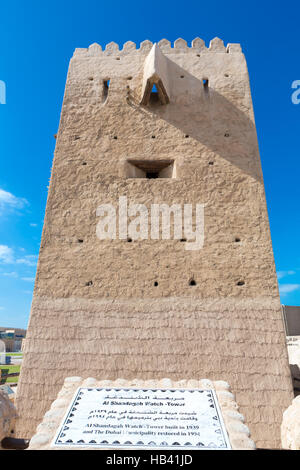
{"points": [[150, 169]]}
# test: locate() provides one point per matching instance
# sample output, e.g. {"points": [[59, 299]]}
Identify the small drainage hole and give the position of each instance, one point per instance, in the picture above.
{"points": [[192, 282], [129, 240], [155, 284], [240, 283], [237, 240], [90, 283]]}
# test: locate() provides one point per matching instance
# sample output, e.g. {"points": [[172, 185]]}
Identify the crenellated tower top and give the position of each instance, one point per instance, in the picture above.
{"points": [[180, 45]]}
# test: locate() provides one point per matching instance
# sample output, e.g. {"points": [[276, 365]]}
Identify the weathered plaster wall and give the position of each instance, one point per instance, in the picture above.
{"points": [[96, 310]]}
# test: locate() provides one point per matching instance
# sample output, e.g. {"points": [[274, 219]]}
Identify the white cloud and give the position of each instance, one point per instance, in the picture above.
{"points": [[12, 274], [281, 274], [2, 308], [6, 254], [288, 288], [29, 260], [28, 279], [10, 202], [33, 225]]}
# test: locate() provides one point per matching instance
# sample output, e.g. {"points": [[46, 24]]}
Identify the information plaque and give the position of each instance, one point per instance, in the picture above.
{"points": [[135, 418]]}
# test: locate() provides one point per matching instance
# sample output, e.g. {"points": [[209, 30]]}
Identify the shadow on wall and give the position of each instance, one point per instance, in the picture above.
{"points": [[202, 113]]}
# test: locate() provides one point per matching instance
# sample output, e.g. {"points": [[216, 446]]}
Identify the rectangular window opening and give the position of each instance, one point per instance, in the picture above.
{"points": [[105, 89], [150, 169]]}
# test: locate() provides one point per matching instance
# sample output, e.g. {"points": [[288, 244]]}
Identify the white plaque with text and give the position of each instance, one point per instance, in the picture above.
{"points": [[134, 418]]}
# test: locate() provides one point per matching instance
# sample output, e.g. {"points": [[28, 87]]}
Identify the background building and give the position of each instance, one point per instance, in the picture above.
{"points": [[292, 325], [12, 338]]}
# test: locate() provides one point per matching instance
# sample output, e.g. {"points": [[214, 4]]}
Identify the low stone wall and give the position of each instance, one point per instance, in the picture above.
{"points": [[238, 432], [290, 428], [8, 417]]}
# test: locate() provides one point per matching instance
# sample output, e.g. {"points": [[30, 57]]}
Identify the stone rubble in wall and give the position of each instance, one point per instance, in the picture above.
{"points": [[238, 432], [8, 416], [290, 427], [180, 45]]}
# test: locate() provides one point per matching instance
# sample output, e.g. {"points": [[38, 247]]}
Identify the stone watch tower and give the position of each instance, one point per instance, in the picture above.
{"points": [[152, 308]]}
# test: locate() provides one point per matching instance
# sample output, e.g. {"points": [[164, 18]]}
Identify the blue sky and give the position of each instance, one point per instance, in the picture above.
{"points": [[37, 40]]}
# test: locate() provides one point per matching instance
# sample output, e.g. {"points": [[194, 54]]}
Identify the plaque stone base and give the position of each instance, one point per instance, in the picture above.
{"points": [[137, 414]]}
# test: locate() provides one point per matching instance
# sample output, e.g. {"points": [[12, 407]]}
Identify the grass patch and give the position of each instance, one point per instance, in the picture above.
{"points": [[8, 369]]}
